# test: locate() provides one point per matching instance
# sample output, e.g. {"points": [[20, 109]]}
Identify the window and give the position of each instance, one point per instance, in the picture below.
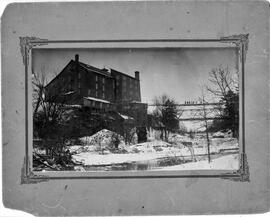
{"points": [[96, 78], [96, 93], [103, 80], [89, 92], [79, 75], [93, 103], [103, 95], [79, 84], [96, 86]]}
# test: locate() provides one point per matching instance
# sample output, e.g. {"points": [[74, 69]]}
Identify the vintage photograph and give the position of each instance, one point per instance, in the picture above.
{"points": [[131, 109]]}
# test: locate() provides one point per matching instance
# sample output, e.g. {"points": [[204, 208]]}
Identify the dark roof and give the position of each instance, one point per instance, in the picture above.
{"points": [[57, 76], [94, 69], [104, 71], [85, 66]]}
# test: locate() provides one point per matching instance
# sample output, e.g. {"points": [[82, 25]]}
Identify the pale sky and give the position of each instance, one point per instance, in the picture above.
{"points": [[178, 72]]}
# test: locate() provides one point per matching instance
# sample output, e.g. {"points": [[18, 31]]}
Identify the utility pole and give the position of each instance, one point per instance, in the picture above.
{"points": [[206, 129]]}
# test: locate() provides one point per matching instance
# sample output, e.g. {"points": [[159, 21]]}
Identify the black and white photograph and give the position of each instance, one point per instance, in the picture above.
{"points": [[135, 109]]}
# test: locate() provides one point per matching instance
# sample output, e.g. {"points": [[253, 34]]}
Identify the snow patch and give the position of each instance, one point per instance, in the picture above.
{"points": [[229, 162], [97, 100], [125, 117]]}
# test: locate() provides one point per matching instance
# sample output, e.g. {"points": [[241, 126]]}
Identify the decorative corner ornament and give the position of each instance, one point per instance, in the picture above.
{"points": [[33, 179], [242, 174], [28, 177], [27, 43], [241, 42], [237, 39]]}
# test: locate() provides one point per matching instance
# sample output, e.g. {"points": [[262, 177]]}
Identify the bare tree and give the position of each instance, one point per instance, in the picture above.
{"points": [[225, 87], [48, 114], [222, 81], [38, 84]]}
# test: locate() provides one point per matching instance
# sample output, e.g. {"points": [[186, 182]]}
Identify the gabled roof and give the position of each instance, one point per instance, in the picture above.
{"points": [[57, 76], [90, 68], [83, 65]]}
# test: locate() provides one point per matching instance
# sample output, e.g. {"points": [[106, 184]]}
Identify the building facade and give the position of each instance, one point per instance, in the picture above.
{"points": [[99, 89]]}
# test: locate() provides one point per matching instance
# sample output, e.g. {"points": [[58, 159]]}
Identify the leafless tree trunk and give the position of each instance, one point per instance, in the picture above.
{"points": [[205, 116]]}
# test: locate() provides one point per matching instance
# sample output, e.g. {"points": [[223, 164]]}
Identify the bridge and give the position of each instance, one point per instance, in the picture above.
{"points": [[190, 109], [193, 104]]}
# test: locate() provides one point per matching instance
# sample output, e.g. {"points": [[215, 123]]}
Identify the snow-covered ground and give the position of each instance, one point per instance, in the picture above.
{"points": [[138, 152], [228, 162], [97, 151], [106, 150], [90, 159]]}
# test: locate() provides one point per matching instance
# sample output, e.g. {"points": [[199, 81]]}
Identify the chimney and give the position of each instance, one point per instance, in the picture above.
{"points": [[137, 75], [77, 58]]}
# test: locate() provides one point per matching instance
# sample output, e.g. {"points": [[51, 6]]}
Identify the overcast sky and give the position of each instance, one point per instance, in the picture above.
{"points": [[178, 72]]}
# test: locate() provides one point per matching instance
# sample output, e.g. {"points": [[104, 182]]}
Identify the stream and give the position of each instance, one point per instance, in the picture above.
{"points": [[150, 164]]}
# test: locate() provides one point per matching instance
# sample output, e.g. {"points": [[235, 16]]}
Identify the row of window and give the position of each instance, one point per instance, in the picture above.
{"points": [[89, 93], [102, 79], [129, 90], [96, 78], [103, 90], [96, 93]]}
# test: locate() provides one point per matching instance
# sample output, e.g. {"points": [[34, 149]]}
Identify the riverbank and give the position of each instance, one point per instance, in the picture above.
{"points": [[150, 154]]}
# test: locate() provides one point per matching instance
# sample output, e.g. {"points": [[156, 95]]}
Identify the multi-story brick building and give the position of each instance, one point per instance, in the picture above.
{"points": [[99, 89]]}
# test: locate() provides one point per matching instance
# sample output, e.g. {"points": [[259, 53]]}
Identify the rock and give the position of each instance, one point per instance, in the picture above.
{"points": [[103, 138]]}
